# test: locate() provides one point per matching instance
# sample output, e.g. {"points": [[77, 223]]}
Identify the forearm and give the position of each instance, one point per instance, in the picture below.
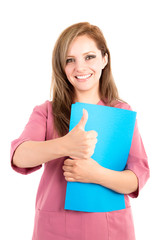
{"points": [[34, 153], [124, 182]]}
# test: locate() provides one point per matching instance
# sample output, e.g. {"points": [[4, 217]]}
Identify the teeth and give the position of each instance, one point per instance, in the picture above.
{"points": [[83, 77]]}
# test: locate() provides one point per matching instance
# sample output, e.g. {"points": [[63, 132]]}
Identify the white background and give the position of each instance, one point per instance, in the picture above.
{"points": [[28, 31]]}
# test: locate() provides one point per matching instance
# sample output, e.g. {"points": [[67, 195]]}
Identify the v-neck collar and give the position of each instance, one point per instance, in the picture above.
{"points": [[100, 102]]}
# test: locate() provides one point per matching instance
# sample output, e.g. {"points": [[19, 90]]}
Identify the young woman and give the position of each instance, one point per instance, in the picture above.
{"points": [[81, 73]]}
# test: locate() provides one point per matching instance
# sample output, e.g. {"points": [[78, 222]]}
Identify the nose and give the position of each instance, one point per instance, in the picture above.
{"points": [[80, 66]]}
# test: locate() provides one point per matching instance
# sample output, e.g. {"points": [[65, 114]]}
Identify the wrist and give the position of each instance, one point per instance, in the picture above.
{"points": [[63, 146], [99, 177], [56, 147]]}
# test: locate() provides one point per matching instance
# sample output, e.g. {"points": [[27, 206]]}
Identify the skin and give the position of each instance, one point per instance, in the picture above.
{"points": [[83, 61]]}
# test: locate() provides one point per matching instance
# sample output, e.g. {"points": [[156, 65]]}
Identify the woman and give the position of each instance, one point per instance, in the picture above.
{"points": [[81, 73]]}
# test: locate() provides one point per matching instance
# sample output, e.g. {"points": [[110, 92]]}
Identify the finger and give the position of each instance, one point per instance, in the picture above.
{"points": [[83, 120], [94, 141], [92, 134], [70, 179], [68, 174], [67, 168], [68, 162]]}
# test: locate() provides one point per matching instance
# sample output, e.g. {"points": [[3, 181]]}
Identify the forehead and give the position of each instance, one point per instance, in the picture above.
{"points": [[82, 44]]}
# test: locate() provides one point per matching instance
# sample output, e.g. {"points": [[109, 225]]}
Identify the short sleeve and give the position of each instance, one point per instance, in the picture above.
{"points": [[35, 130], [137, 160]]}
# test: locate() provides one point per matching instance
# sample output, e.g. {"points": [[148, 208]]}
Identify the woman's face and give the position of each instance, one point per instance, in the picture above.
{"points": [[84, 64]]}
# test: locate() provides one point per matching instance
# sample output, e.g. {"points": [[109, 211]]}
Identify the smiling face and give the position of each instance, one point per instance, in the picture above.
{"points": [[84, 64]]}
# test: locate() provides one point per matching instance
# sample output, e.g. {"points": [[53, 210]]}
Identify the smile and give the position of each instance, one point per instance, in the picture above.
{"points": [[84, 76]]}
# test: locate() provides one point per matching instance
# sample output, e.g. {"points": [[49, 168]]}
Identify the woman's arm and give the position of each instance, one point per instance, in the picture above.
{"points": [[89, 171], [124, 182], [76, 143], [34, 153]]}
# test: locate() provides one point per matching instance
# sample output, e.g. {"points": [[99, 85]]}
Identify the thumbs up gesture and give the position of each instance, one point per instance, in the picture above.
{"points": [[83, 120], [78, 143]]}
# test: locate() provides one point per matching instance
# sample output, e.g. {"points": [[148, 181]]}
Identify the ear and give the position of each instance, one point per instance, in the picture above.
{"points": [[105, 60]]}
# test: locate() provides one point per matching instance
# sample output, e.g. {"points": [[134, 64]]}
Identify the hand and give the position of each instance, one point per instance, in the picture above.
{"points": [[81, 170], [78, 143]]}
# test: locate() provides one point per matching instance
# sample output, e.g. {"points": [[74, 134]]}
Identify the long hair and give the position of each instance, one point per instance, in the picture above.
{"points": [[61, 89]]}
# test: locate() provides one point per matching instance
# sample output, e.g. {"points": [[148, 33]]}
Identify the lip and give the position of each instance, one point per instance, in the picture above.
{"points": [[83, 79]]}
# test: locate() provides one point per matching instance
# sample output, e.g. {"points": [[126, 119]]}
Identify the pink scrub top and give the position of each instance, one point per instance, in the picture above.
{"points": [[52, 222]]}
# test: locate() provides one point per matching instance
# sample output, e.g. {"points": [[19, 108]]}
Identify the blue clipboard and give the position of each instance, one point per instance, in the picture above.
{"points": [[115, 129]]}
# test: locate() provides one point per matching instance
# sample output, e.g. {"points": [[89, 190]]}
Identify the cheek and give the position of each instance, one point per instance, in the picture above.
{"points": [[68, 71], [97, 70], [96, 66]]}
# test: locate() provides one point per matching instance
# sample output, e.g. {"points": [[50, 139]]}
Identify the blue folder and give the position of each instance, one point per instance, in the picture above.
{"points": [[115, 129]]}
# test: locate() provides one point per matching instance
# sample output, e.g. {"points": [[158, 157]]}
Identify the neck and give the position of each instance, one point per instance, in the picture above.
{"points": [[93, 98]]}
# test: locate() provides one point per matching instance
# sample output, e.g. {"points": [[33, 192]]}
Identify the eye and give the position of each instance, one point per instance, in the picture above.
{"points": [[88, 57], [69, 60]]}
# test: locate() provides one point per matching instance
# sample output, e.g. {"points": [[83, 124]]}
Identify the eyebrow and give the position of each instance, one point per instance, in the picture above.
{"points": [[85, 53]]}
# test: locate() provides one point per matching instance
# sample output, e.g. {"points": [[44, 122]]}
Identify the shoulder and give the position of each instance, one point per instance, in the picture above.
{"points": [[122, 104], [43, 108], [118, 103]]}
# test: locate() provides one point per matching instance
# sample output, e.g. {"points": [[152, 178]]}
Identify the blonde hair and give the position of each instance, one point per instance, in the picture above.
{"points": [[61, 89]]}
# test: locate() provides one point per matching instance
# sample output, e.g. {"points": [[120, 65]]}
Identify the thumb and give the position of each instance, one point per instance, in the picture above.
{"points": [[83, 120]]}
